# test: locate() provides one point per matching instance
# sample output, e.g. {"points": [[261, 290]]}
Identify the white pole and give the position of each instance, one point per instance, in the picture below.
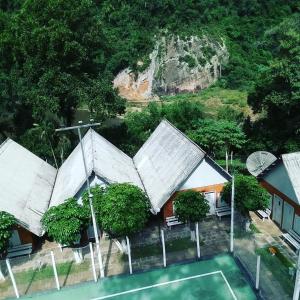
{"points": [[257, 272], [129, 255], [297, 281], [197, 239], [164, 247], [91, 207], [12, 278], [231, 158], [226, 158], [54, 270], [232, 216], [93, 262]]}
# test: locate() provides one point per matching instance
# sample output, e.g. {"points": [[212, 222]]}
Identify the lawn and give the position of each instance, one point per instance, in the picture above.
{"points": [[45, 272], [279, 266]]}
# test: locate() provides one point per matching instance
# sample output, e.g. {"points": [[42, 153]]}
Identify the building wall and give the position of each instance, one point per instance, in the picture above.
{"points": [[216, 188], [279, 179], [206, 174], [287, 202]]}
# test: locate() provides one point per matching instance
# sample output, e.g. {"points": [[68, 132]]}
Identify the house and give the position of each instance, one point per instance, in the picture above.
{"points": [[169, 163], [26, 184], [282, 181]]}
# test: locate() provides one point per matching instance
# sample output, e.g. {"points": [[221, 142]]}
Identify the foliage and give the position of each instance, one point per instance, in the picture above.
{"points": [[277, 91], [191, 206], [123, 209], [141, 124], [7, 221], [65, 222], [218, 136], [248, 194]]}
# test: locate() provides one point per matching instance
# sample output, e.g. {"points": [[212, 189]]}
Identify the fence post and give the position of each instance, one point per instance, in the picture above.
{"points": [[100, 260], [297, 280], [129, 254], [164, 247], [257, 272], [54, 270], [93, 262], [232, 216], [12, 278], [197, 239]]}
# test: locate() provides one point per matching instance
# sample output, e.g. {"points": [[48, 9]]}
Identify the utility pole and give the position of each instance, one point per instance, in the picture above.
{"points": [[88, 187]]}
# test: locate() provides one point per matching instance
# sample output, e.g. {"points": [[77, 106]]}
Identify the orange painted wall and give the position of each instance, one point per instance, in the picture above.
{"points": [[168, 207]]}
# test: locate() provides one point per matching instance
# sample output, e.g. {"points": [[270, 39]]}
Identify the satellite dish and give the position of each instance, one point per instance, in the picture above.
{"points": [[258, 161]]}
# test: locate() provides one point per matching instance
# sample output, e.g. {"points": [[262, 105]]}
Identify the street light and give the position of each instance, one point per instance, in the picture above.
{"points": [[90, 195]]}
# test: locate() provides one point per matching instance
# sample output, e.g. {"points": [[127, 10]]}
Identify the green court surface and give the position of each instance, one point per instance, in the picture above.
{"points": [[217, 278]]}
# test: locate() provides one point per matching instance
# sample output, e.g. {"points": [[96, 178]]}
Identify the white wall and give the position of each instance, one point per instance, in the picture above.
{"points": [[205, 174], [279, 179]]}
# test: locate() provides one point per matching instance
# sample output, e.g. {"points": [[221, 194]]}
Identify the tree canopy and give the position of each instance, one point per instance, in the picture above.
{"points": [[191, 206], [121, 209], [248, 195], [7, 221], [65, 222], [218, 136]]}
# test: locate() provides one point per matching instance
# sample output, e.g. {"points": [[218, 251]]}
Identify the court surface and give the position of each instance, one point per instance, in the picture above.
{"points": [[217, 278]]}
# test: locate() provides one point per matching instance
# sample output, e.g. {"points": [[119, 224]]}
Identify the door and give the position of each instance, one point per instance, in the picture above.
{"points": [[211, 198], [277, 209], [288, 215], [14, 239]]}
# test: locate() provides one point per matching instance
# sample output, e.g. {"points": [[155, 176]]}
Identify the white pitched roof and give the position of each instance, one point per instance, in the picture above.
{"points": [[26, 183], [291, 162], [166, 159], [107, 161]]}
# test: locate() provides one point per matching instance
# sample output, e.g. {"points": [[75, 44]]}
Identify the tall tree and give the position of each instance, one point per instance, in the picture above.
{"points": [[277, 92]]}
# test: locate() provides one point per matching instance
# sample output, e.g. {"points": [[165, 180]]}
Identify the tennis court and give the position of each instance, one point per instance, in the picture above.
{"points": [[216, 278]]}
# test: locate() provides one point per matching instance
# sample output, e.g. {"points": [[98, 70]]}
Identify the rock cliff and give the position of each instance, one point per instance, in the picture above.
{"points": [[176, 65]]}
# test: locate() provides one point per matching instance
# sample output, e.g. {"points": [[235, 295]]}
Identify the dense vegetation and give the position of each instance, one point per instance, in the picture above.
{"points": [[56, 56]]}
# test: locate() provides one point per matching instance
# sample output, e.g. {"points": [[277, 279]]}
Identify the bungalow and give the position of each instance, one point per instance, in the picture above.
{"points": [[26, 184], [166, 164], [282, 180], [169, 163]]}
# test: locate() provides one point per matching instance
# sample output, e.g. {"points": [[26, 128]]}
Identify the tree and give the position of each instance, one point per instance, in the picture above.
{"points": [[218, 136], [7, 221], [123, 210], [191, 206], [277, 92], [65, 222], [248, 195]]}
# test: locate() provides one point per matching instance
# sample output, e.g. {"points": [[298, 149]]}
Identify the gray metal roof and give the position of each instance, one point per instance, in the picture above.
{"points": [[166, 159], [26, 183], [107, 161], [291, 162]]}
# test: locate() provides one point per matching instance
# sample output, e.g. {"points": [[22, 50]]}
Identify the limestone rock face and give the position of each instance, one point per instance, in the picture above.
{"points": [[177, 65]]}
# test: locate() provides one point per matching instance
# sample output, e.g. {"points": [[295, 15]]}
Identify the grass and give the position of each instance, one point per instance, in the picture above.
{"points": [[254, 229], [46, 272], [213, 98], [279, 266], [156, 249]]}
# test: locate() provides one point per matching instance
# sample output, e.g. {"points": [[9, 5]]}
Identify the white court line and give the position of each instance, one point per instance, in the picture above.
{"points": [[230, 289], [166, 283]]}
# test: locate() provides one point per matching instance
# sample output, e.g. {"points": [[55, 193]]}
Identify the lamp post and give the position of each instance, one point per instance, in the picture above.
{"points": [[90, 196]]}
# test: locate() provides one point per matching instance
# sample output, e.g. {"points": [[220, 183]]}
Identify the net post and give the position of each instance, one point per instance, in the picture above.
{"points": [[197, 239], [11, 274], [297, 281], [257, 272], [93, 262], [129, 254], [163, 246], [54, 270], [232, 216]]}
